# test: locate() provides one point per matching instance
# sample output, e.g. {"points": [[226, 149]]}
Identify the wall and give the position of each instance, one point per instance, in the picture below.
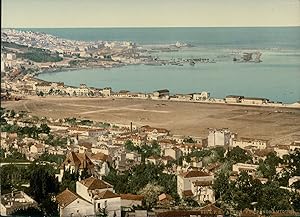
{"points": [[83, 208]]}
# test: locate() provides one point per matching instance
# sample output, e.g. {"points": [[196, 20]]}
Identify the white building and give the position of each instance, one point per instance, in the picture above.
{"points": [[196, 184], [240, 167], [106, 92], [254, 101], [37, 148], [15, 201], [11, 56], [233, 99], [130, 200], [201, 96], [247, 142], [219, 137], [71, 204], [174, 153], [3, 67], [100, 194]]}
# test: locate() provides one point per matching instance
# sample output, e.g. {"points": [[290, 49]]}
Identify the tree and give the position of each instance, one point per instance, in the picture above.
{"points": [[130, 146], [238, 155], [49, 206], [44, 128], [31, 211], [268, 167], [272, 197], [2, 119], [42, 182], [221, 186], [151, 192]]}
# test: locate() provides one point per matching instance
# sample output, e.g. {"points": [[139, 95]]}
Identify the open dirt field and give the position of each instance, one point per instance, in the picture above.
{"points": [[280, 125]]}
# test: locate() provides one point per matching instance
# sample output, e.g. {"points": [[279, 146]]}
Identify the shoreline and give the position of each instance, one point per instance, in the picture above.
{"points": [[295, 105]]}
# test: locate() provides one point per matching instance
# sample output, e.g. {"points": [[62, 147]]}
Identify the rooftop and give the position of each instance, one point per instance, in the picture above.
{"points": [[92, 183]]}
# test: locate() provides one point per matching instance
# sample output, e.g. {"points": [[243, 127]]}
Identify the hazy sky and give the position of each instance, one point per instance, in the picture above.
{"points": [[149, 13]]}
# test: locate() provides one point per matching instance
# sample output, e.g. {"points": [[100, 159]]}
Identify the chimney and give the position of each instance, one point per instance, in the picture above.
{"points": [[131, 127]]}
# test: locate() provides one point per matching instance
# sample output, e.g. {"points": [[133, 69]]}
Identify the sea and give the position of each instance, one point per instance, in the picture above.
{"points": [[277, 77]]}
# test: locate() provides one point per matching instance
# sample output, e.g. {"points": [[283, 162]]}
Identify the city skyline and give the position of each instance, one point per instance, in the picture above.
{"points": [[134, 13]]}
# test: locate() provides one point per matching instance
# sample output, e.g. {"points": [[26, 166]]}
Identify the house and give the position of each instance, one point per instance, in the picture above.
{"points": [[133, 156], [201, 96], [295, 145], [254, 100], [101, 162], [76, 162], [37, 148], [84, 146], [153, 159], [106, 92], [293, 180], [161, 94], [249, 168], [15, 201], [166, 159], [100, 194], [155, 131], [281, 150], [255, 143], [219, 137], [140, 213], [182, 97], [233, 99], [174, 153], [209, 210], [71, 204], [130, 200], [165, 200], [189, 183], [203, 191], [96, 132], [102, 148]]}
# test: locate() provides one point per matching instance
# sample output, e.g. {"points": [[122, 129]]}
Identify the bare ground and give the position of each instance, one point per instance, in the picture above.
{"points": [[280, 125]]}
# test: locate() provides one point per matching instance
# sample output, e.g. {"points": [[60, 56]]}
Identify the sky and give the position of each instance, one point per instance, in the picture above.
{"points": [[148, 13]]}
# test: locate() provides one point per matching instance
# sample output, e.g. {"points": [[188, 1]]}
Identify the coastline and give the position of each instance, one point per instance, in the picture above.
{"points": [[294, 105]]}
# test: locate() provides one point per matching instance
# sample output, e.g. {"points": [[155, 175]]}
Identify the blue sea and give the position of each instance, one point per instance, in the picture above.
{"points": [[277, 77]]}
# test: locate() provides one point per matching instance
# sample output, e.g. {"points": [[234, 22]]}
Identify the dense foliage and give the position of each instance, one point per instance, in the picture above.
{"points": [[248, 192], [146, 150], [139, 176], [39, 55]]}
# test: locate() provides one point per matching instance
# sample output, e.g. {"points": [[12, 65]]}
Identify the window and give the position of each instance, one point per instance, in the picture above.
{"points": [[98, 205]]}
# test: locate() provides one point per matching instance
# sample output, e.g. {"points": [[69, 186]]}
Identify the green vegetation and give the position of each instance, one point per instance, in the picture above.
{"points": [[239, 155], [189, 140], [145, 150], [248, 192], [56, 140], [12, 156], [138, 177], [40, 55], [58, 159], [33, 54], [13, 176]]}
